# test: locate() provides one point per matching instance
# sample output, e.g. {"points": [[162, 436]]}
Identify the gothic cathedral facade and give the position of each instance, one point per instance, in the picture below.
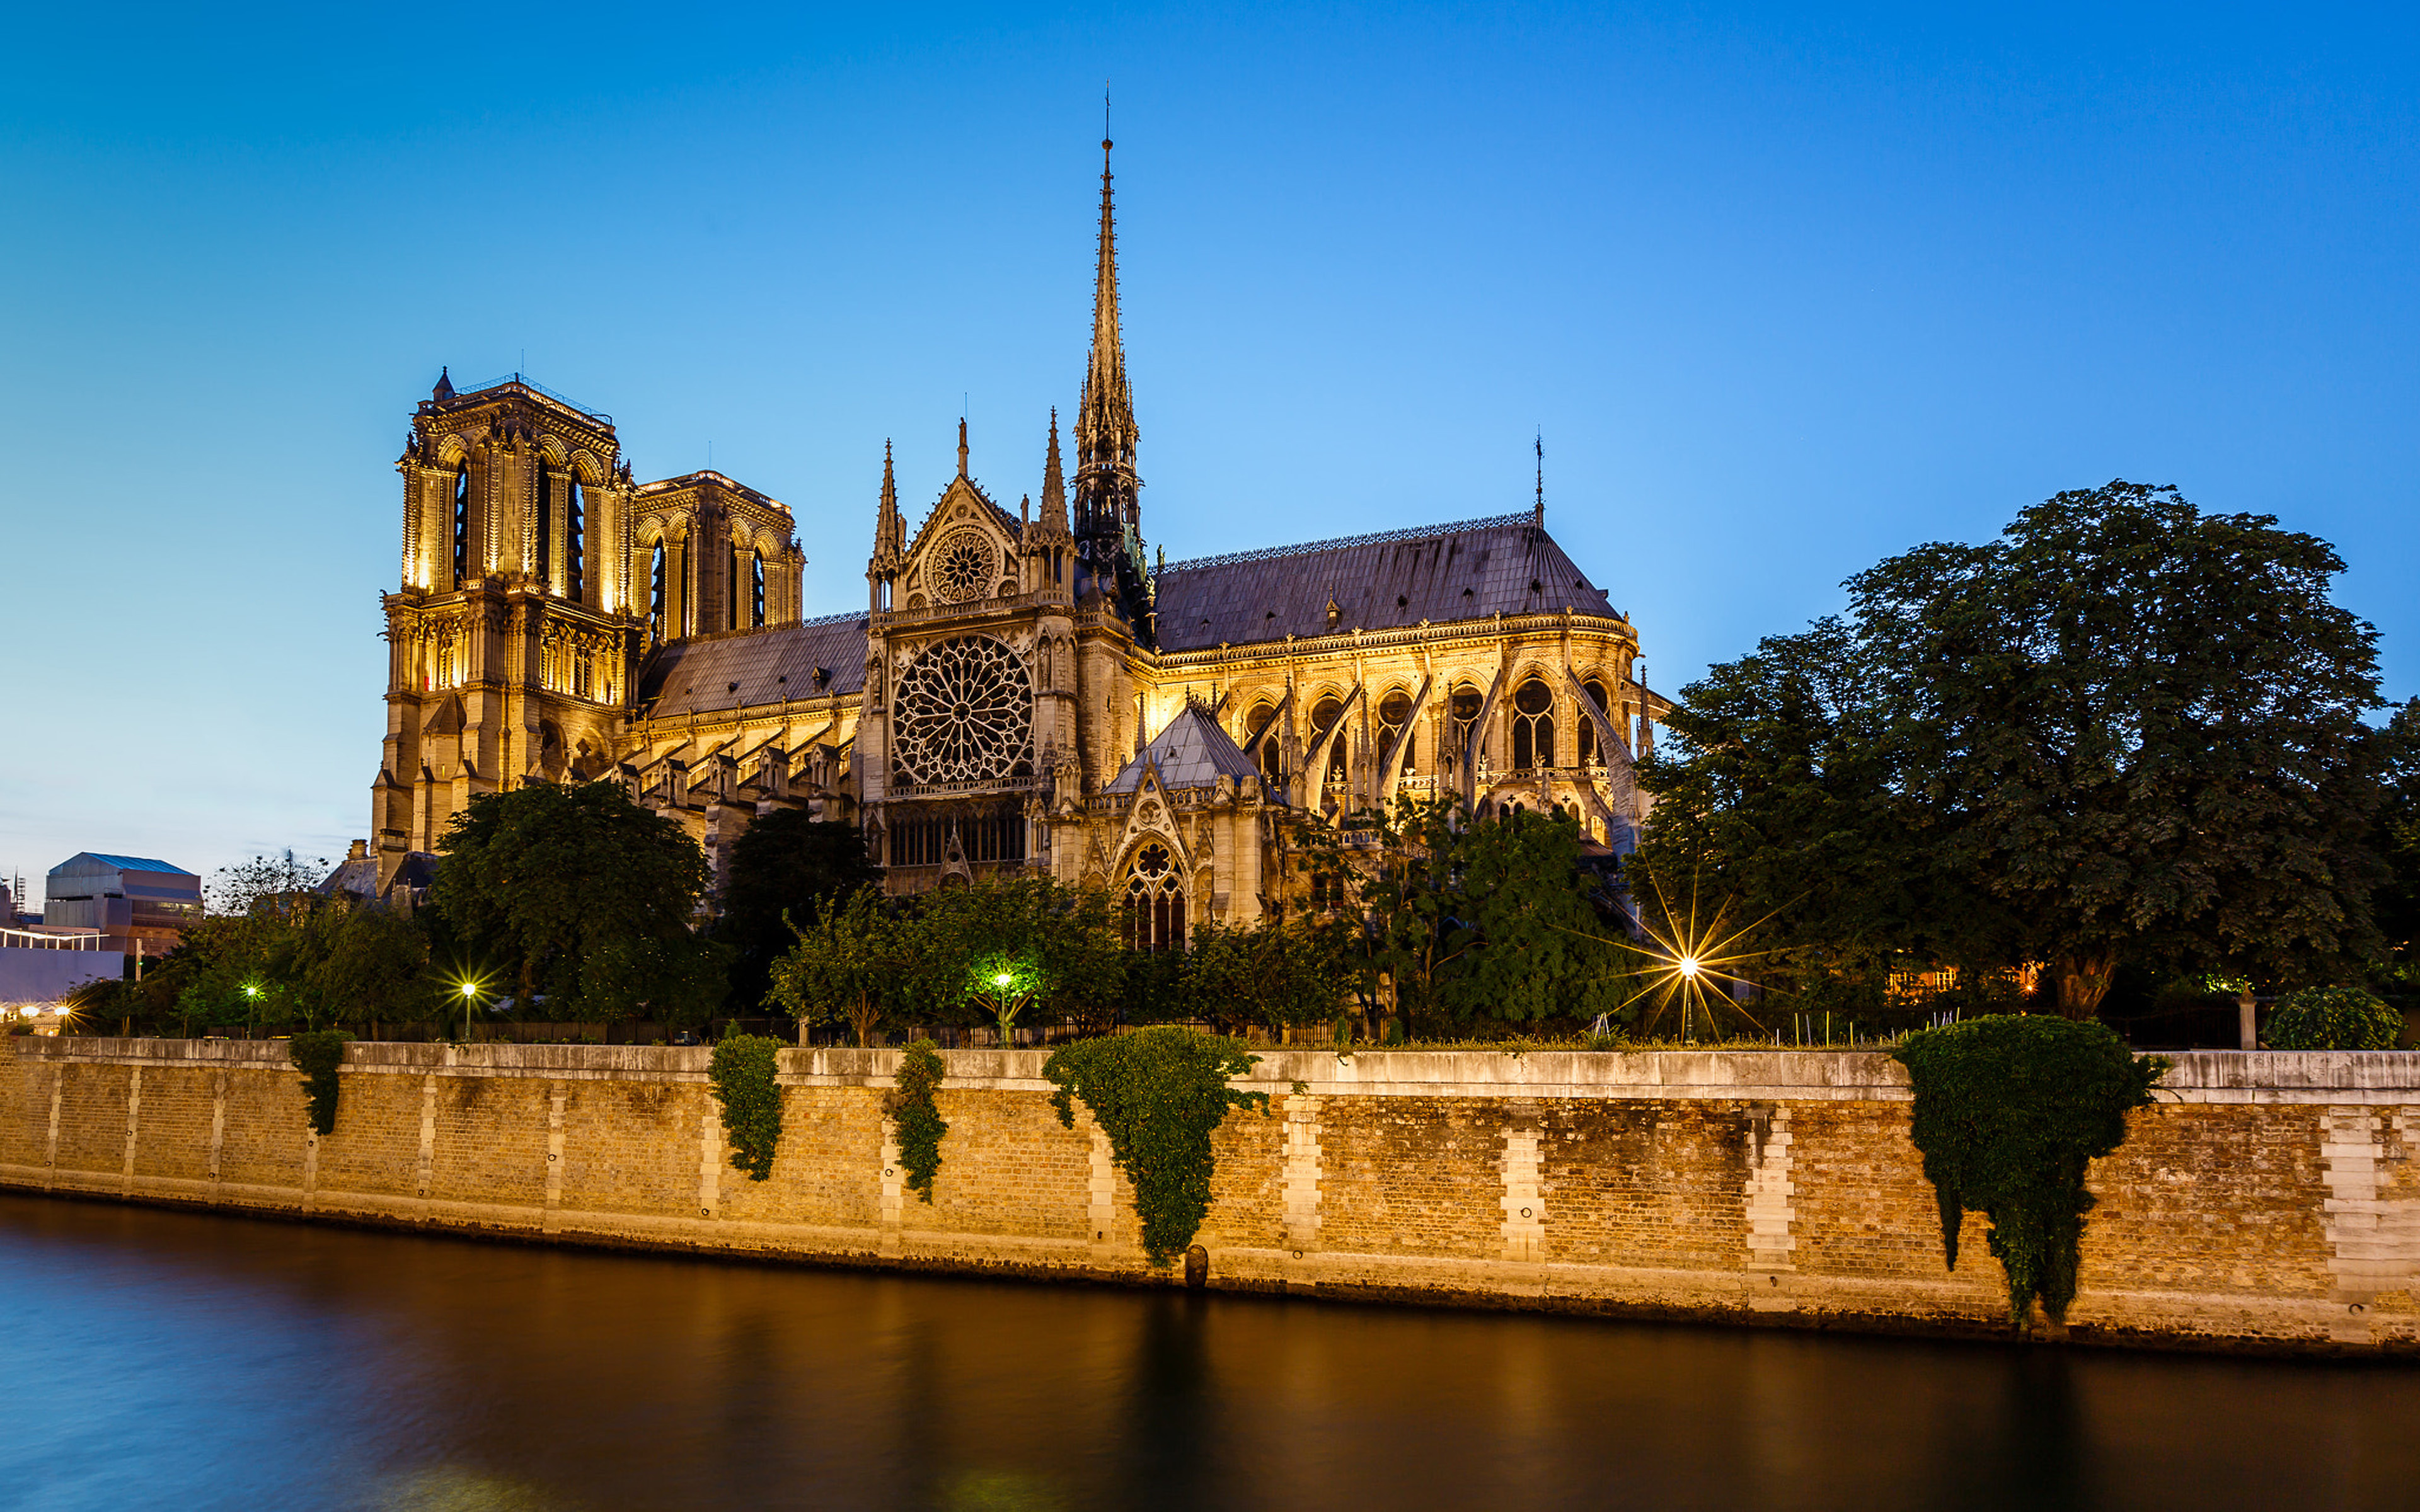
{"points": [[1023, 691]]}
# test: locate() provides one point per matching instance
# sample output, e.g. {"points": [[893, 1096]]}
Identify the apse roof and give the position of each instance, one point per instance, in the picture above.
{"points": [[1466, 571], [711, 673], [1192, 752]]}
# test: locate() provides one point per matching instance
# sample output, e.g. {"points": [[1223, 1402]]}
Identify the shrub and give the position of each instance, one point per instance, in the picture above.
{"points": [[743, 1070], [1158, 1093], [916, 1118], [2009, 1111], [2333, 1018], [318, 1054]]}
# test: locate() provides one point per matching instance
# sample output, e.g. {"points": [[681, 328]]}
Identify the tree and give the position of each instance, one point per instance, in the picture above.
{"points": [[846, 965], [543, 879], [2124, 730], [280, 884], [786, 863], [2397, 839], [1483, 918], [1282, 973], [1058, 945]]}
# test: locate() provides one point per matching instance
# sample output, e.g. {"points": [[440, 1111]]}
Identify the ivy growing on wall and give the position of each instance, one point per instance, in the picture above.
{"points": [[1158, 1093], [318, 1054], [2009, 1110], [915, 1117], [743, 1070]]}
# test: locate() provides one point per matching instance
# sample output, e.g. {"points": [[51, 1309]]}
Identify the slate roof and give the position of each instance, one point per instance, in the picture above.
{"points": [[1192, 752], [1377, 582], [711, 673]]}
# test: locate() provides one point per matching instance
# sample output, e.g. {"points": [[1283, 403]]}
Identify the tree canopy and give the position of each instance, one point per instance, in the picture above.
{"points": [[2122, 731], [788, 862], [556, 886]]}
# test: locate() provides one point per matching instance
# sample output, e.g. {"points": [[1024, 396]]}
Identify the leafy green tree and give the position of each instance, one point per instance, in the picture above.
{"points": [[1482, 919], [846, 965], [676, 980], [784, 866], [1058, 945], [2396, 840], [2333, 1018], [543, 879], [1283, 973], [276, 886], [2124, 730]]}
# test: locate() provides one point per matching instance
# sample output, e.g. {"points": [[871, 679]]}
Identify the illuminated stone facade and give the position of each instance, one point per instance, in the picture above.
{"points": [[1024, 690]]}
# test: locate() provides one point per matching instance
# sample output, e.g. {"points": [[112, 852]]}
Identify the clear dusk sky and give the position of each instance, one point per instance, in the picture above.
{"points": [[1787, 294]]}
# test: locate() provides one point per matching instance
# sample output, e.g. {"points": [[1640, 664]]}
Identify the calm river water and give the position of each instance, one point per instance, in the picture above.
{"points": [[155, 1359]]}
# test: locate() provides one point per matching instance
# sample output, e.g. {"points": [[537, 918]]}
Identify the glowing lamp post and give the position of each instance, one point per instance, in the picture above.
{"points": [[469, 993], [251, 1008]]}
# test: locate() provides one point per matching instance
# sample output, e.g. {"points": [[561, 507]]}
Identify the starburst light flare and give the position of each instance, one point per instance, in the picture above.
{"points": [[1689, 961]]}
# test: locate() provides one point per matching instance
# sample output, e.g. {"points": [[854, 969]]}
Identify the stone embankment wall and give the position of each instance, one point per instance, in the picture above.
{"points": [[2269, 1201]]}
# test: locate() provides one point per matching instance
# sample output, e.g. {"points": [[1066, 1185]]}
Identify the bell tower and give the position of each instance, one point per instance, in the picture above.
{"points": [[511, 638]]}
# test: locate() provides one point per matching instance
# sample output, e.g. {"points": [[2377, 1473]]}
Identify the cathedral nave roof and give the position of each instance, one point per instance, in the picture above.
{"points": [[1391, 581]]}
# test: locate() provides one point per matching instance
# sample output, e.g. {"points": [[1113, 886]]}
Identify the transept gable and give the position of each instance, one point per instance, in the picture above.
{"points": [[964, 552]]}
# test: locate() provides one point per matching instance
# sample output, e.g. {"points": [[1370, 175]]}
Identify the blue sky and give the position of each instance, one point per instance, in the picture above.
{"points": [[1786, 293]]}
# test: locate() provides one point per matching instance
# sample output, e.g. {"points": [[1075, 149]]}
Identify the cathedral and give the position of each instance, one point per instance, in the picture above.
{"points": [[1024, 688]]}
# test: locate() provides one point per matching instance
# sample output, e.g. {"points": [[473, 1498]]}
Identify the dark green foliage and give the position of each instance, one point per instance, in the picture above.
{"points": [[1058, 946], [318, 1054], [744, 1069], [2009, 1111], [2124, 731], [1158, 1093], [2397, 839], [1278, 973], [849, 964], [915, 1117], [2333, 1018], [542, 879], [785, 863], [1482, 919]]}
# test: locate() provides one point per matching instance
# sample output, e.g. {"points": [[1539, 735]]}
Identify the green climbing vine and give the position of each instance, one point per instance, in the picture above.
{"points": [[915, 1117], [743, 1070], [2009, 1110], [1158, 1093], [318, 1054]]}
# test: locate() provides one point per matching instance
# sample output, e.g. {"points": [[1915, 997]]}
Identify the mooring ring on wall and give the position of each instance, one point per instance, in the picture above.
{"points": [[1525, 1212]]}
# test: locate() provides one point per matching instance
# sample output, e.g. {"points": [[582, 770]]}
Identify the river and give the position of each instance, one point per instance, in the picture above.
{"points": [[159, 1359]]}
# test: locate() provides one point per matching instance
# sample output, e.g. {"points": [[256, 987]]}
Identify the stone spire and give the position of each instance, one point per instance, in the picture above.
{"points": [[1054, 488], [962, 446], [889, 530], [1108, 514]]}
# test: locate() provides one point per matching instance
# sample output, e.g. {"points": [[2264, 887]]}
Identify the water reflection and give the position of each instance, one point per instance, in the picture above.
{"points": [[161, 1359]]}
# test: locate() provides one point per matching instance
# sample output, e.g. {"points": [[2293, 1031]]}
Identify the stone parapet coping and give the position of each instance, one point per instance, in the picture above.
{"points": [[2216, 1076]]}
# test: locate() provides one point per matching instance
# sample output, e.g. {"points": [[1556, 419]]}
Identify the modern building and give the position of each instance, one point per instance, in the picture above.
{"points": [[1025, 690], [136, 904]]}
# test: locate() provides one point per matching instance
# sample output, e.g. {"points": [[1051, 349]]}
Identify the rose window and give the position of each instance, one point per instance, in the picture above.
{"points": [[964, 567], [964, 714]]}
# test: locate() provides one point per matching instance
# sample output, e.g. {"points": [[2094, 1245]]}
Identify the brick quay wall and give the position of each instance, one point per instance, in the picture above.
{"points": [[2270, 1201]]}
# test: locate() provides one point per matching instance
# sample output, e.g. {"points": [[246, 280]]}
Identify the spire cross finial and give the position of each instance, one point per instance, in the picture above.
{"points": [[962, 446], [1538, 519]]}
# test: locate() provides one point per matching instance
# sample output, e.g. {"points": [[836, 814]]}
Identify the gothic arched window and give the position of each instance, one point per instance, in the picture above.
{"points": [[1394, 713], [1589, 755], [1257, 723], [1154, 901], [756, 588], [1533, 726], [575, 537], [656, 595], [1465, 708], [545, 563], [461, 523], [1325, 717]]}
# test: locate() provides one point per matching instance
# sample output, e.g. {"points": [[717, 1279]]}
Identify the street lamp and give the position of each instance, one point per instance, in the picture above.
{"points": [[251, 1008], [469, 993]]}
